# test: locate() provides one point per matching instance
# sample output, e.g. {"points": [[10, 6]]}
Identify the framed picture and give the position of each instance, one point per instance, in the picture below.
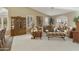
{"points": [[39, 20]]}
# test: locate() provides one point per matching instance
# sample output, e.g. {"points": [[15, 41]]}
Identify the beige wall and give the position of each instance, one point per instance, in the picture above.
{"points": [[23, 11]]}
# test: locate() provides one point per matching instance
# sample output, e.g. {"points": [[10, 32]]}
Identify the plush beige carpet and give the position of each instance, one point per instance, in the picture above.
{"points": [[25, 43]]}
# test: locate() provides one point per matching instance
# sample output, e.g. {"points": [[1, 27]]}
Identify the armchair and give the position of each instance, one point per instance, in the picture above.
{"points": [[37, 33]]}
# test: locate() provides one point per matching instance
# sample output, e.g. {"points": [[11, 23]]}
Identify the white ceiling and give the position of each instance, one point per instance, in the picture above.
{"points": [[51, 11]]}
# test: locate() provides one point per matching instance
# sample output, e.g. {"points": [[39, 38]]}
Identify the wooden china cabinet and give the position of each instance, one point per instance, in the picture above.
{"points": [[18, 25]]}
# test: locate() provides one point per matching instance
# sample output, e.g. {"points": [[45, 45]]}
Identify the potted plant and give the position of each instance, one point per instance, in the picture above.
{"points": [[76, 19]]}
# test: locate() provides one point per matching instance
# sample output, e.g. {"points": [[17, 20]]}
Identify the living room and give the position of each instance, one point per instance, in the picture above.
{"points": [[41, 28]]}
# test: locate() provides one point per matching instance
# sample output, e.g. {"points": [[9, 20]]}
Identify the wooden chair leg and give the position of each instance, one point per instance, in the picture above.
{"points": [[3, 43], [1, 46]]}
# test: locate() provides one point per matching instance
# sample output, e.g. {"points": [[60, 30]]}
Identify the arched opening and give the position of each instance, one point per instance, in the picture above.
{"points": [[3, 18]]}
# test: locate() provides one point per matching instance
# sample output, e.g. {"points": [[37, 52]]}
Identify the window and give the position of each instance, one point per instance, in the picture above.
{"points": [[3, 22], [62, 20], [46, 21], [29, 21]]}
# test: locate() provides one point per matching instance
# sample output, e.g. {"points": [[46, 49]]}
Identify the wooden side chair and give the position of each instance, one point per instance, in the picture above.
{"points": [[1, 44], [2, 37]]}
